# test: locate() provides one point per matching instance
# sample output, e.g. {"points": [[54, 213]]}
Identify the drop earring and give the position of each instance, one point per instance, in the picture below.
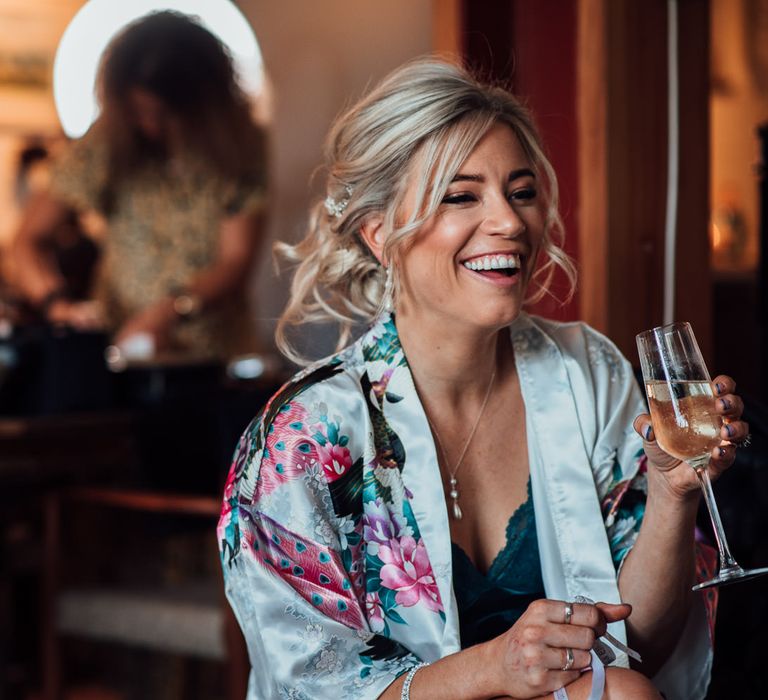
{"points": [[388, 298]]}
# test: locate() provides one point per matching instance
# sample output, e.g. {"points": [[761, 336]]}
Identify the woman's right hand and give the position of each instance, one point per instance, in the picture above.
{"points": [[79, 315], [529, 658]]}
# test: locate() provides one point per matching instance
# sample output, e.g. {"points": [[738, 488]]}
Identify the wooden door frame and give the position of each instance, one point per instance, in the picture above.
{"points": [[622, 108]]}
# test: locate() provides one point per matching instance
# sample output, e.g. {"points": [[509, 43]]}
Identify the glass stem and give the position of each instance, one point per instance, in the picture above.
{"points": [[727, 561]]}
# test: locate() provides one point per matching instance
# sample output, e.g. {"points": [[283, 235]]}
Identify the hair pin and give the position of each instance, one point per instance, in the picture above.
{"points": [[336, 207]]}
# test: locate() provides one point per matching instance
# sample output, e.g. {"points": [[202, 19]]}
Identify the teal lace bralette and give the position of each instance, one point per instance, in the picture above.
{"points": [[491, 603]]}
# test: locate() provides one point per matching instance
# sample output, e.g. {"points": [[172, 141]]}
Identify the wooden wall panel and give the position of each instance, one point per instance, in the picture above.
{"points": [[447, 25], [545, 77], [623, 132], [693, 290], [592, 115], [636, 98]]}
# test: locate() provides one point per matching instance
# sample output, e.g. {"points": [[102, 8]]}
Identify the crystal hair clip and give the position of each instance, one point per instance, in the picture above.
{"points": [[336, 207]]}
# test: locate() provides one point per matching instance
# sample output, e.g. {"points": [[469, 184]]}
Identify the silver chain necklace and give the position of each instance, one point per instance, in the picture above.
{"points": [[454, 484]]}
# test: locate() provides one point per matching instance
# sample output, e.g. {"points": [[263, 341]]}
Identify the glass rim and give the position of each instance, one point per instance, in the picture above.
{"points": [[663, 328]]}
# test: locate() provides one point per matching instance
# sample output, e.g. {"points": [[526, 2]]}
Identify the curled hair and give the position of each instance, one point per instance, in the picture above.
{"points": [[429, 113]]}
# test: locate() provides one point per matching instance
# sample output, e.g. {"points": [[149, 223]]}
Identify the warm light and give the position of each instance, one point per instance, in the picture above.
{"points": [[717, 237], [92, 28]]}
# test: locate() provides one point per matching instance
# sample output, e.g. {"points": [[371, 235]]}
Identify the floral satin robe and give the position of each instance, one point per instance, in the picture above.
{"points": [[334, 533]]}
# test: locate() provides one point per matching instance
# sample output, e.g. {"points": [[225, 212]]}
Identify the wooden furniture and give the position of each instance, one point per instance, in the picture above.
{"points": [[45, 451], [38, 454], [187, 617]]}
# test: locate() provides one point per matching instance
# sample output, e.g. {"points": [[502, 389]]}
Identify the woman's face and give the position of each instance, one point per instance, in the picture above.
{"points": [[472, 260], [149, 115]]}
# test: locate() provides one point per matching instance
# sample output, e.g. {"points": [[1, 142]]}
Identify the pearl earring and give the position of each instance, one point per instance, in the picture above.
{"points": [[388, 298]]}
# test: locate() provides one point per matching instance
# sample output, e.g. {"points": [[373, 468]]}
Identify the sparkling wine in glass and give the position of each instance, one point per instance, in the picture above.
{"points": [[685, 422]]}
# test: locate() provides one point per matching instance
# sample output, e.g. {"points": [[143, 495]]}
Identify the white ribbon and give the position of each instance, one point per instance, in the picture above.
{"points": [[598, 677], [608, 636], [598, 667], [598, 681]]}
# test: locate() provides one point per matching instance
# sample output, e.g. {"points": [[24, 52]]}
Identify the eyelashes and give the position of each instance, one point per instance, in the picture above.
{"points": [[461, 198], [526, 194]]}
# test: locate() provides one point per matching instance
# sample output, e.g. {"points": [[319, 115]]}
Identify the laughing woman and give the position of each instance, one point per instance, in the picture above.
{"points": [[417, 515]]}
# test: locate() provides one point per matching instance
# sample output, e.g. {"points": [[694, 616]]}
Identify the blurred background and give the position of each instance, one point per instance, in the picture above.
{"points": [[655, 115]]}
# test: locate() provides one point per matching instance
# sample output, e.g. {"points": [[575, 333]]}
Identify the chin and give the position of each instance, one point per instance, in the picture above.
{"points": [[495, 319]]}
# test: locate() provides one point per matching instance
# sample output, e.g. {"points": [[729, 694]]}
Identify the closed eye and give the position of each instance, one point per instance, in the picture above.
{"points": [[523, 195], [459, 198]]}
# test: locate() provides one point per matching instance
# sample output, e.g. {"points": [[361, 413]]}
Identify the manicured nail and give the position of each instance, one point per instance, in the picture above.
{"points": [[726, 404], [729, 429], [648, 431], [722, 451], [720, 388]]}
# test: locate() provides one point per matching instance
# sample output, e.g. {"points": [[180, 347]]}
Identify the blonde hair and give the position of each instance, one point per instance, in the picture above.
{"points": [[427, 108]]}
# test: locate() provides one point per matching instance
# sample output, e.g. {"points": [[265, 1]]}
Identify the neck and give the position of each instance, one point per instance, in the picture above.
{"points": [[451, 363]]}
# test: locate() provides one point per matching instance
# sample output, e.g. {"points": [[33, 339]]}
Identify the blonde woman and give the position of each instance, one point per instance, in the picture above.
{"points": [[415, 516]]}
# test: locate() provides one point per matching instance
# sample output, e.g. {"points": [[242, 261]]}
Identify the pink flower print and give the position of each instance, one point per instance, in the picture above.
{"points": [[335, 460], [374, 611], [407, 570], [380, 525]]}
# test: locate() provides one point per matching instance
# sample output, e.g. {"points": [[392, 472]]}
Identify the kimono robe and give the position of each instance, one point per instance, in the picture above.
{"points": [[334, 533]]}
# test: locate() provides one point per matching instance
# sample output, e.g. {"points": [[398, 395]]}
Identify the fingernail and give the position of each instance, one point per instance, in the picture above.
{"points": [[726, 404], [648, 430], [721, 450], [719, 386], [729, 429]]}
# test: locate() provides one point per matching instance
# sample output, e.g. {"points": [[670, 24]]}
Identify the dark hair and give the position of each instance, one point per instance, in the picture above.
{"points": [[174, 58]]}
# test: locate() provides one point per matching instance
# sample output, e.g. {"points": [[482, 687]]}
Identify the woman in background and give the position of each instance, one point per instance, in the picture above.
{"points": [[431, 512], [176, 167]]}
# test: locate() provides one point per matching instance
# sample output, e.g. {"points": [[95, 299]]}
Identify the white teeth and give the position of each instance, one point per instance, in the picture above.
{"points": [[494, 262]]}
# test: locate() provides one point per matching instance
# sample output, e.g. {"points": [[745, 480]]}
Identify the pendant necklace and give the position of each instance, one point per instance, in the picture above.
{"points": [[454, 484]]}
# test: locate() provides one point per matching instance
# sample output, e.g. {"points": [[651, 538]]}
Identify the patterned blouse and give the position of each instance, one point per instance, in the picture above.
{"points": [[162, 230]]}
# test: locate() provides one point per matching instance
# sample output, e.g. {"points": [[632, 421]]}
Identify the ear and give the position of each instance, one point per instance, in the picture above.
{"points": [[373, 234]]}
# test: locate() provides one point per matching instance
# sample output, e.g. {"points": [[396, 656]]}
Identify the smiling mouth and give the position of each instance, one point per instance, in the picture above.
{"points": [[494, 265]]}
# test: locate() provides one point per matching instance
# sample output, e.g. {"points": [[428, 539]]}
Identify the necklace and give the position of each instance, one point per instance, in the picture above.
{"points": [[454, 484]]}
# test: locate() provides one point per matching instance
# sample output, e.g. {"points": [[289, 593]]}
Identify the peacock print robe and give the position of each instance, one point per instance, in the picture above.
{"points": [[334, 532]]}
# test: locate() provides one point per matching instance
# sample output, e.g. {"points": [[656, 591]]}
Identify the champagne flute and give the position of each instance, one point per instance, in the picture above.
{"points": [[685, 422]]}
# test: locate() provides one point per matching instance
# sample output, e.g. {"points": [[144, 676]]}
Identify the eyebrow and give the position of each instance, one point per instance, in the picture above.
{"points": [[514, 175]]}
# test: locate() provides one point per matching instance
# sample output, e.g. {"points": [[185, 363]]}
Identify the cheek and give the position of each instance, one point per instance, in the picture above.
{"points": [[536, 228], [428, 265], [424, 276], [537, 259]]}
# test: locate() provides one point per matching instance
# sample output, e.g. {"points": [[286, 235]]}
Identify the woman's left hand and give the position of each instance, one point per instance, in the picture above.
{"points": [[680, 478]]}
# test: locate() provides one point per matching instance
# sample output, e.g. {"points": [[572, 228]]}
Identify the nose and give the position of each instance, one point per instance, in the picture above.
{"points": [[503, 219]]}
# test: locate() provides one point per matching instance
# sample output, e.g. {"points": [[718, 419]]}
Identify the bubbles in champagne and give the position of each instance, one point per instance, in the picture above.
{"points": [[684, 418]]}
